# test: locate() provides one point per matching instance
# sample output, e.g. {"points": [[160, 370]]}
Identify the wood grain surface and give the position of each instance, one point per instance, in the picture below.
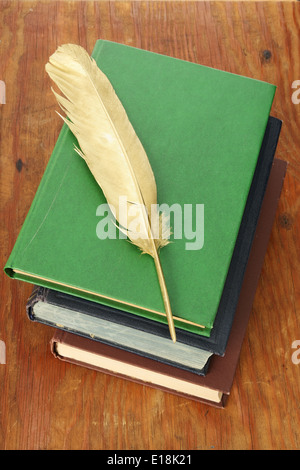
{"points": [[45, 404]]}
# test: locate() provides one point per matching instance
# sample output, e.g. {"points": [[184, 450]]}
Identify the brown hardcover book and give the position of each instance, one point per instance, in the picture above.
{"points": [[214, 388]]}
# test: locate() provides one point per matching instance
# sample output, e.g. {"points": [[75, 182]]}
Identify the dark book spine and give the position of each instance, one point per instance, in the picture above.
{"points": [[39, 294]]}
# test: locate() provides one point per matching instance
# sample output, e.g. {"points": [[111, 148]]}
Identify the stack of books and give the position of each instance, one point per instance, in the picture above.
{"points": [[211, 143]]}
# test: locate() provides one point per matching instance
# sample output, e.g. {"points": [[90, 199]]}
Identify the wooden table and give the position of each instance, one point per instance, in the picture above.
{"points": [[46, 404]]}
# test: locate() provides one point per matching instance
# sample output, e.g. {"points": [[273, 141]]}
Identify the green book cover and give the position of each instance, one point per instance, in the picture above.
{"points": [[202, 130]]}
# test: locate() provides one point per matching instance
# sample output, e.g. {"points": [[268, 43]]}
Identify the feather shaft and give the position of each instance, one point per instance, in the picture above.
{"points": [[165, 296]]}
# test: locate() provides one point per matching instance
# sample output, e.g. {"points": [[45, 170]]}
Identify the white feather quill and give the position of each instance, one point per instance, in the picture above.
{"points": [[112, 151]]}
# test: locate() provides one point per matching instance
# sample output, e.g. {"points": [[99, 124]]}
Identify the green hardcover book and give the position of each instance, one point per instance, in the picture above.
{"points": [[202, 130]]}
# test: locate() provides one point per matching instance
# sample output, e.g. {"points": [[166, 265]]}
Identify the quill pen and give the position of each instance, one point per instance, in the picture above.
{"points": [[112, 152]]}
